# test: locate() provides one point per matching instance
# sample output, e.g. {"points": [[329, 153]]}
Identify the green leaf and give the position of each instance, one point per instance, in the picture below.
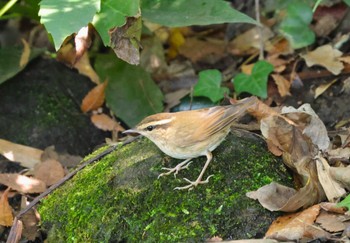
{"points": [[64, 17], [345, 202], [209, 85], [347, 2], [295, 27], [113, 14], [175, 13], [10, 59], [256, 83], [131, 93]]}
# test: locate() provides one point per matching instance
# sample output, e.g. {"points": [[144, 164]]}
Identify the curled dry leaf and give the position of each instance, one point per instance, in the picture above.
{"points": [[325, 56], [276, 197], [283, 84], [331, 187], [25, 155], [342, 175], [22, 183], [95, 98], [25, 54], [50, 171], [6, 217], [84, 67], [106, 123], [323, 87], [297, 226]]}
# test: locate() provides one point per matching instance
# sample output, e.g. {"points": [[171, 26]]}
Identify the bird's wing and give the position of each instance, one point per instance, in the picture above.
{"points": [[216, 119]]}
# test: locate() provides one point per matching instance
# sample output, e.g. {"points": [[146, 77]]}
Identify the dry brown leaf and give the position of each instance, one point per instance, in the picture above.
{"points": [[342, 175], [95, 98], [30, 221], [6, 217], [283, 84], [125, 40], [82, 42], [25, 54], [331, 187], [296, 226], [247, 69], [25, 155], [330, 221], [49, 171], [84, 67], [196, 49], [66, 54], [323, 87], [106, 123], [345, 59], [244, 43], [314, 128], [22, 183], [327, 57], [332, 208]]}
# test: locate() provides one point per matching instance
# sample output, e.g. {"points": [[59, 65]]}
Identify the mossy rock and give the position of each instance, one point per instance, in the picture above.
{"points": [[120, 199]]}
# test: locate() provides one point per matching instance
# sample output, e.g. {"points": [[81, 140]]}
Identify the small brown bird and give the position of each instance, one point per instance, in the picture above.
{"points": [[190, 134]]}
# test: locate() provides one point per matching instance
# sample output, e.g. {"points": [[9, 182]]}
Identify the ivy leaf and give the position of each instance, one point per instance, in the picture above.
{"points": [[345, 202], [191, 12], [256, 83], [64, 17], [209, 85], [131, 93], [295, 27]]}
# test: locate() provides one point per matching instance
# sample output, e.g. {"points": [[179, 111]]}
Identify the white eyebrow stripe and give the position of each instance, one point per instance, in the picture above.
{"points": [[164, 121]]}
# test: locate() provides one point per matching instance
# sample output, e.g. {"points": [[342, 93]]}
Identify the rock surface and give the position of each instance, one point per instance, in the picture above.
{"points": [[120, 199]]}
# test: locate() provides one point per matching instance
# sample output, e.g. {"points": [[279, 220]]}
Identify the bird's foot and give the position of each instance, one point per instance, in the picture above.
{"points": [[193, 184], [176, 169]]}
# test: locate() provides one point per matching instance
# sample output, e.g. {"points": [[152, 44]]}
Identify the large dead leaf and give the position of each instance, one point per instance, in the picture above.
{"points": [[22, 183], [275, 197], [297, 226], [6, 217], [50, 171], [25, 155], [327, 57], [95, 98]]}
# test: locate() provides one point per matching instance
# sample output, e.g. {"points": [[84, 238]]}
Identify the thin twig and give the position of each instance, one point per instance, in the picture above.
{"points": [[261, 41]]}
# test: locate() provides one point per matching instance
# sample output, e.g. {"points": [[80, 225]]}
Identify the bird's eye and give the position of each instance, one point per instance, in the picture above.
{"points": [[149, 128]]}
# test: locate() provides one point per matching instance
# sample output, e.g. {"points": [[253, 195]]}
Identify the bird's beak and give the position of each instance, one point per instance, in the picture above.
{"points": [[133, 130]]}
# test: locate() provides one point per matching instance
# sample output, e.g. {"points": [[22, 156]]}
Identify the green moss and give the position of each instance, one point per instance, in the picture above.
{"points": [[120, 198]]}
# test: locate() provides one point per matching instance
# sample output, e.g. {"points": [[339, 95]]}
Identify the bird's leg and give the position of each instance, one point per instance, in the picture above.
{"points": [[176, 169], [199, 179]]}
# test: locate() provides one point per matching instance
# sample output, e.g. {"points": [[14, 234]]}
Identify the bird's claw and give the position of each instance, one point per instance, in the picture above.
{"points": [[193, 184], [175, 170]]}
